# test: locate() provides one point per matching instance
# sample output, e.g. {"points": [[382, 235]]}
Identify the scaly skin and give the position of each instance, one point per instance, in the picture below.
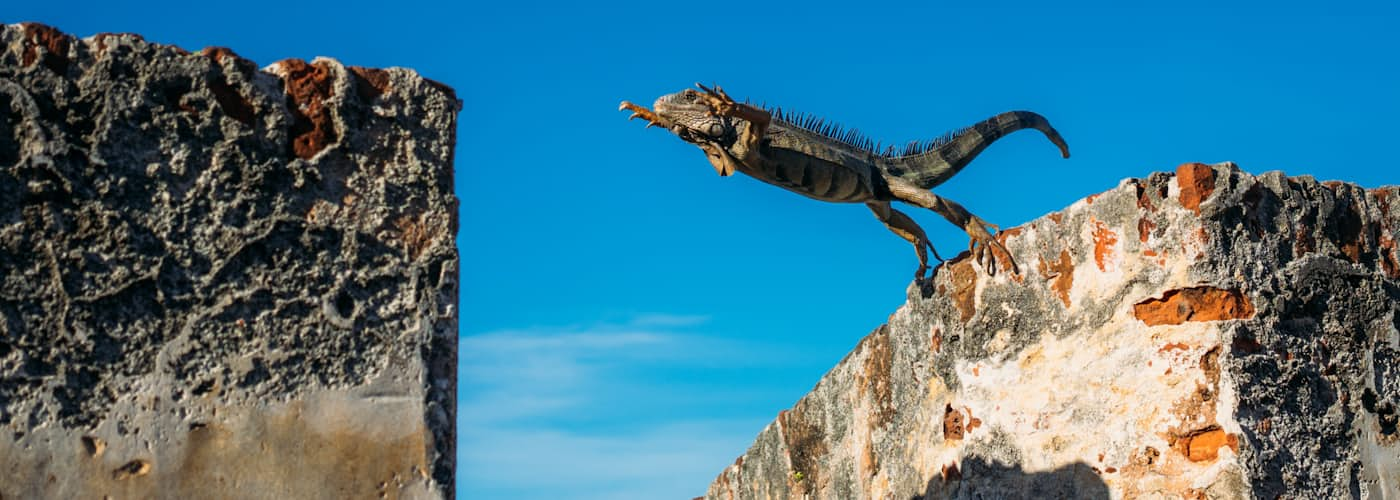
{"points": [[737, 137]]}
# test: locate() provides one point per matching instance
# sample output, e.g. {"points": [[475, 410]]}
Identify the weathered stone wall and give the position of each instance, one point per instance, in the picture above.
{"points": [[1204, 334], [220, 281]]}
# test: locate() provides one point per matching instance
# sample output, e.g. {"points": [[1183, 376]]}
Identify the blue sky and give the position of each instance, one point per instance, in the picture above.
{"points": [[630, 320]]}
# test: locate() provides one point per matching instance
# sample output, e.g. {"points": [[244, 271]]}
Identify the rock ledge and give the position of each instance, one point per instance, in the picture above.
{"points": [[220, 281], [1207, 333]]}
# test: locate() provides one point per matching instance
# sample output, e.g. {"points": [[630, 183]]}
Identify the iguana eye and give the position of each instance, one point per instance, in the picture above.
{"points": [[716, 129]]}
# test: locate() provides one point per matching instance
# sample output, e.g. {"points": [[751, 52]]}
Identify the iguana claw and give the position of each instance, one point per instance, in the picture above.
{"points": [[720, 103], [984, 247], [653, 120]]}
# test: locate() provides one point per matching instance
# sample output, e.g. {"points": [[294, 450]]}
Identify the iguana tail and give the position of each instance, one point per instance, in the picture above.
{"points": [[945, 157]]}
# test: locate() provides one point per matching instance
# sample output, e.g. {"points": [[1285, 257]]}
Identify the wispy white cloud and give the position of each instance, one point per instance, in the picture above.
{"points": [[605, 411], [515, 341], [668, 320], [673, 460]]}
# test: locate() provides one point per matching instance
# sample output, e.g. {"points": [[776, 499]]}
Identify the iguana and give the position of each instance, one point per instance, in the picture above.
{"points": [[820, 161]]}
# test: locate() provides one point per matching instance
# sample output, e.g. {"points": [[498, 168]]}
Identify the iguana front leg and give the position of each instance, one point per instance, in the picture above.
{"points": [[653, 119], [722, 105], [982, 244]]}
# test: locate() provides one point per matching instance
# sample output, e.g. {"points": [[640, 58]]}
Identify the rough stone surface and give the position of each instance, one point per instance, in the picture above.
{"points": [[1203, 334], [220, 281]]}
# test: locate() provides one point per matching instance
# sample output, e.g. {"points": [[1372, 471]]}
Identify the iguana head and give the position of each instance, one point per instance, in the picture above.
{"points": [[692, 116], [692, 119]]}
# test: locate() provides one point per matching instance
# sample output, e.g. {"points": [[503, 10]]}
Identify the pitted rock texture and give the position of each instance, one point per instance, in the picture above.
{"points": [[1200, 334], [221, 280]]}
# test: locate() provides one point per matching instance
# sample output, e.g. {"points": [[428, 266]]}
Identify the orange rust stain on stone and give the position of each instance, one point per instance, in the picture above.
{"points": [[936, 340], [869, 462], [1145, 228], [952, 423], [1203, 303], [1197, 436], [308, 88], [874, 377], [1057, 217], [370, 82], [417, 234], [1178, 346], [1104, 239], [1204, 445], [1003, 260], [972, 422], [1390, 264], [1090, 199], [1196, 182], [1061, 275], [1161, 258], [963, 280], [54, 42]]}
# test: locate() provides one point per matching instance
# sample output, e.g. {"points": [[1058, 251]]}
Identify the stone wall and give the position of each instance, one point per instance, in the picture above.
{"points": [[1203, 334], [222, 281]]}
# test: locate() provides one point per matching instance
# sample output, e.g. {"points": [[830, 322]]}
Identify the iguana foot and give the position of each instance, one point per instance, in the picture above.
{"points": [[984, 246], [919, 276], [719, 102], [653, 120]]}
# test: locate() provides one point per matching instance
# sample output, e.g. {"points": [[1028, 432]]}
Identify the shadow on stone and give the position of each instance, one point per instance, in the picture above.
{"points": [[980, 478]]}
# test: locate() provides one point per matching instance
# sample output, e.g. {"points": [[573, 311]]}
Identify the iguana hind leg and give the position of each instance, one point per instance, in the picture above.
{"points": [[983, 245], [899, 223]]}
